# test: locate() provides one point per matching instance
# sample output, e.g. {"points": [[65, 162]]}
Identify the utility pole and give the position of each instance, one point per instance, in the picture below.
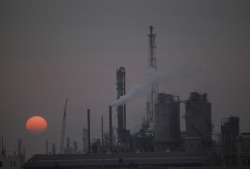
{"points": [[63, 128]]}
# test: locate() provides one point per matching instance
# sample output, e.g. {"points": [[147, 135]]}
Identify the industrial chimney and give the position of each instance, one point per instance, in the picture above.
{"points": [[89, 146], [110, 127]]}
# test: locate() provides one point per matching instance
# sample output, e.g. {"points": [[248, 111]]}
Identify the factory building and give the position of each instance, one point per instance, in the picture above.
{"points": [[243, 148], [143, 141], [235, 146], [167, 123], [15, 160], [85, 140], [10, 162], [121, 160], [198, 123], [160, 133], [229, 132]]}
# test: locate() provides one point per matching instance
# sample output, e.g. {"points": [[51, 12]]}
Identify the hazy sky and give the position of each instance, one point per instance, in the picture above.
{"points": [[50, 50]]}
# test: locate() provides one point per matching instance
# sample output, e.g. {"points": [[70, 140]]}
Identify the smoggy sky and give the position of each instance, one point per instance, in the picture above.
{"points": [[50, 50]]}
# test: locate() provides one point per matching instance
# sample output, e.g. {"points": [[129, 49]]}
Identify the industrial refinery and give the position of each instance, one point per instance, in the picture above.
{"points": [[160, 141]]}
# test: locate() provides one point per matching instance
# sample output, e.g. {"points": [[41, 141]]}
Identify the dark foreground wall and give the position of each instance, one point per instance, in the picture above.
{"points": [[122, 160], [242, 167]]}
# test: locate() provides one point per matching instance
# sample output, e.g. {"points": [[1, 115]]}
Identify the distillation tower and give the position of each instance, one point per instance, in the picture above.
{"points": [[152, 66], [121, 109]]}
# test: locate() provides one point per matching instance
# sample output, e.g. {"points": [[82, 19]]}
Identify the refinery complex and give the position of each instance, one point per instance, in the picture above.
{"points": [[160, 141]]}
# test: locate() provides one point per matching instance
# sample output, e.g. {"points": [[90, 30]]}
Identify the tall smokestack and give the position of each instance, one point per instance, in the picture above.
{"points": [[2, 143], [110, 127], [102, 134], [47, 152], [19, 152], [3, 152], [88, 131]]}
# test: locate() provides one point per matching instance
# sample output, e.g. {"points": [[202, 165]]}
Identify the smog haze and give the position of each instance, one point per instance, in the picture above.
{"points": [[53, 50]]}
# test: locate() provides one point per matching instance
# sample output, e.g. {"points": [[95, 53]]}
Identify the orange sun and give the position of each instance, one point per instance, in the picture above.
{"points": [[36, 125]]}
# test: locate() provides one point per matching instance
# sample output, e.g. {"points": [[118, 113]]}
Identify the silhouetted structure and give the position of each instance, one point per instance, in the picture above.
{"points": [[198, 123], [14, 161], [85, 140], [152, 65], [167, 123], [243, 149], [20, 155], [63, 127], [121, 109], [110, 128], [125, 160], [144, 141], [67, 151], [75, 147], [53, 148], [229, 132], [191, 148], [47, 147], [89, 145]]}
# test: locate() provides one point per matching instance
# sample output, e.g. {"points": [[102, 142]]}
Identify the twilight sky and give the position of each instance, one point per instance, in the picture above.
{"points": [[50, 50]]}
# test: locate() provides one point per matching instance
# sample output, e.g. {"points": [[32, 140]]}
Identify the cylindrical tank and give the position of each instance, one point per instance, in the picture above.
{"points": [[229, 132], [198, 117], [167, 123], [198, 123]]}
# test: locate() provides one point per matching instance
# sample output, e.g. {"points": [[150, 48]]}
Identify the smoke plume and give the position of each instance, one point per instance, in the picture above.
{"points": [[154, 77], [140, 90]]}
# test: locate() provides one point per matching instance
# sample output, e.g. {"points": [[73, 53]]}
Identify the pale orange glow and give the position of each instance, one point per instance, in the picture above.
{"points": [[36, 124]]}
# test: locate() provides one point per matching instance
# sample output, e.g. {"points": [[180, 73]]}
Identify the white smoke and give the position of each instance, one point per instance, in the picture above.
{"points": [[136, 91], [155, 77], [140, 90]]}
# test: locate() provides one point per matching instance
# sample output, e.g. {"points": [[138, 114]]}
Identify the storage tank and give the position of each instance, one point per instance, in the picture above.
{"points": [[229, 132], [167, 123], [198, 123]]}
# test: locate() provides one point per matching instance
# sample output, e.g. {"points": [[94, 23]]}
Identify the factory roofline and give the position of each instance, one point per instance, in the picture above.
{"points": [[117, 159]]}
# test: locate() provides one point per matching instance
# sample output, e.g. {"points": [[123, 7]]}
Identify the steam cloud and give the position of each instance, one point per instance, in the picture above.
{"points": [[141, 90], [153, 78]]}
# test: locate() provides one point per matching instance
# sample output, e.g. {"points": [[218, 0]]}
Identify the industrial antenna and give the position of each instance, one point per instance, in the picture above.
{"points": [[154, 87], [63, 127]]}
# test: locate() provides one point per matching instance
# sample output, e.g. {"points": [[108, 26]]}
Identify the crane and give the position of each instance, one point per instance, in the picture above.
{"points": [[63, 127]]}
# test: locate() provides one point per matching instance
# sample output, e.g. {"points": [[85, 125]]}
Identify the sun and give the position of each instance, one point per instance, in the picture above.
{"points": [[36, 125]]}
